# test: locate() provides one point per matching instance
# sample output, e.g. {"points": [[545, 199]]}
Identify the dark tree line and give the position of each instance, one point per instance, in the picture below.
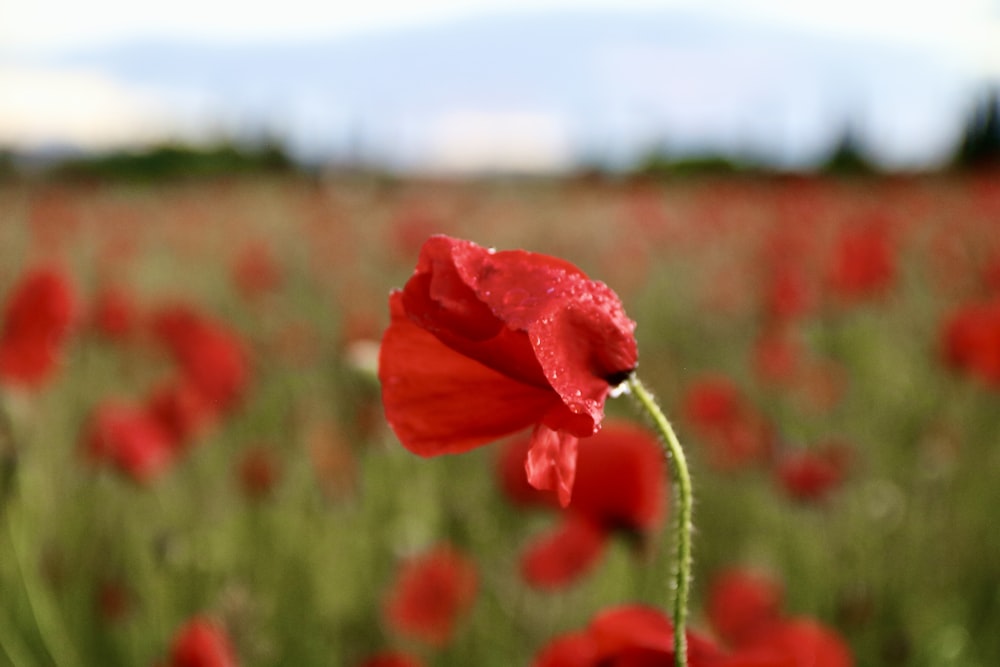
{"points": [[980, 144]]}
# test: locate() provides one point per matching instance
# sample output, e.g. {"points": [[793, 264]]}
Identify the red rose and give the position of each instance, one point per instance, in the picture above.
{"points": [[483, 344]]}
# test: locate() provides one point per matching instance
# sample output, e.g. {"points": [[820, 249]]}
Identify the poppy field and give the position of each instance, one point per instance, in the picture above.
{"points": [[223, 443]]}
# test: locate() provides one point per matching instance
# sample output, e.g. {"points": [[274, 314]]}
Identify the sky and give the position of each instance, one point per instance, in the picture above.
{"points": [[969, 27], [108, 111]]}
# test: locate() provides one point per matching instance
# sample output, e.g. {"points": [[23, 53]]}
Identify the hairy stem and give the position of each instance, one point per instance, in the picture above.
{"points": [[682, 525]]}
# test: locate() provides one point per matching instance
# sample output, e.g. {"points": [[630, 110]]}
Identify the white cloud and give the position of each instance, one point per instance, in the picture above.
{"points": [[511, 141], [80, 108]]}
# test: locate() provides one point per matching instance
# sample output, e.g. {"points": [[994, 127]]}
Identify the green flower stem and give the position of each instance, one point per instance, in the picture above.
{"points": [[682, 523]]}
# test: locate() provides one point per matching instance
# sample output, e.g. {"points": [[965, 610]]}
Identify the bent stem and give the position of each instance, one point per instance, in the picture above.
{"points": [[682, 524]]}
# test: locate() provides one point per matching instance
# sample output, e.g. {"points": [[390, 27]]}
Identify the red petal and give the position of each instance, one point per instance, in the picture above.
{"points": [[808, 642], [638, 629], [202, 643], [560, 327], [620, 478], [632, 627], [438, 301], [577, 327], [572, 650], [439, 401], [741, 603], [551, 462], [513, 482], [431, 593], [562, 557]]}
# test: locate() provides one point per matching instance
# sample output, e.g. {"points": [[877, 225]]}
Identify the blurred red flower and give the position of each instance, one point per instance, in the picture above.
{"points": [[803, 642], [741, 603], [787, 294], [638, 636], [255, 271], [181, 411], [37, 318], [712, 402], [202, 642], [391, 659], [862, 264], [113, 314], [971, 341], [777, 355], [627, 636], [210, 356], [810, 475], [620, 488], [430, 593], [129, 439], [560, 557], [410, 227], [732, 431], [482, 344]]}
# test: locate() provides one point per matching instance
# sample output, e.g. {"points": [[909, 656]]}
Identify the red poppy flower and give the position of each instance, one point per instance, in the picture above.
{"points": [[38, 316], [391, 659], [181, 411], [629, 636], [129, 439], [733, 432], [619, 488], [561, 557], [809, 476], [430, 593], [211, 357], [971, 341], [805, 642], [741, 604], [787, 294], [482, 344], [863, 263], [712, 402], [202, 643]]}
